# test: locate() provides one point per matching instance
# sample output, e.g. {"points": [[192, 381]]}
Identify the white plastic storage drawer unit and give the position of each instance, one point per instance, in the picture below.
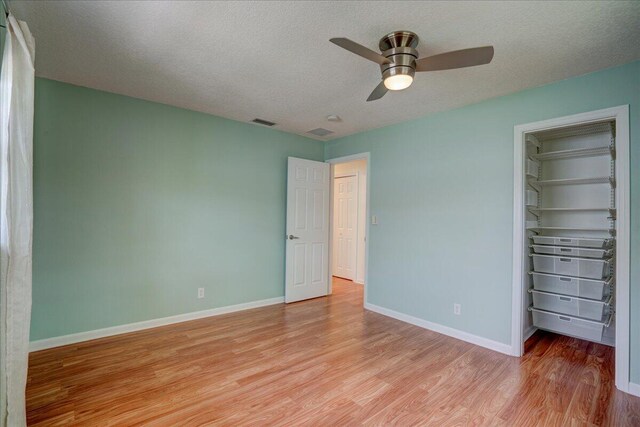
{"points": [[573, 306], [574, 286], [568, 325], [572, 241], [581, 267], [573, 251]]}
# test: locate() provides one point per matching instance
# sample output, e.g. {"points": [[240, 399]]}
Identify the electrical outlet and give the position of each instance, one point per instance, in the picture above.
{"points": [[200, 292], [457, 308]]}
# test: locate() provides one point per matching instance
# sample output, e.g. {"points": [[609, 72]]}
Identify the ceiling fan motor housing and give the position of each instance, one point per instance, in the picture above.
{"points": [[400, 48], [403, 61]]}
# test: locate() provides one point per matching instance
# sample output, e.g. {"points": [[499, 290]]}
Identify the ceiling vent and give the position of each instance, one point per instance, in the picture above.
{"points": [[263, 122], [320, 132]]}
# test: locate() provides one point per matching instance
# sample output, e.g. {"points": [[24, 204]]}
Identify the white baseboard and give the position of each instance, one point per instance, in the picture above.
{"points": [[441, 329], [146, 324], [529, 332], [634, 389]]}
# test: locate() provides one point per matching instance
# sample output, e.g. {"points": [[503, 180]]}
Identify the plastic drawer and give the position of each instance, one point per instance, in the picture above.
{"points": [[572, 251], [579, 267], [568, 325], [573, 306], [573, 241], [574, 286]]}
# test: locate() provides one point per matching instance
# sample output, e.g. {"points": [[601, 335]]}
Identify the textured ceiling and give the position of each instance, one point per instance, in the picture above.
{"points": [[273, 60]]}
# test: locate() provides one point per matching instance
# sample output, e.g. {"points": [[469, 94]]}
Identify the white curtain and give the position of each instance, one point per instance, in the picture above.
{"points": [[16, 218]]}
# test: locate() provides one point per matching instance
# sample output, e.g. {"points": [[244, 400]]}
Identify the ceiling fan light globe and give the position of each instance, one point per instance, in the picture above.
{"points": [[398, 82]]}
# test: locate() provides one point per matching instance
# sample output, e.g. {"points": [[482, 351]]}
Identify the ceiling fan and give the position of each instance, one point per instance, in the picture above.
{"points": [[399, 59]]}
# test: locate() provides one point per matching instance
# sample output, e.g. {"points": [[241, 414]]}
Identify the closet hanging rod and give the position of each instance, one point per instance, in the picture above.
{"points": [[611, 231], [611, 210], [572, 181], [538, 211], [579, 152]]}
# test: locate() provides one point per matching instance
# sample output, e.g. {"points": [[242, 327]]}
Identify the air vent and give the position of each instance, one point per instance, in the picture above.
{"points": [[320, 132], [263, 122]]}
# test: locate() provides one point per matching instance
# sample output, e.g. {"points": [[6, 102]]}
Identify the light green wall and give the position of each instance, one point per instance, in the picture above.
{"points": [[442, 188], [138, 204]]}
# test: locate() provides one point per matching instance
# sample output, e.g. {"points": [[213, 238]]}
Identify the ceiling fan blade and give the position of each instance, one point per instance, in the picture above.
{"points": [[378, 92], [456, 59], [358, 49]]}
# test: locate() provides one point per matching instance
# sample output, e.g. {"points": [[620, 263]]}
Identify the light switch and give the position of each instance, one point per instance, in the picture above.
{"points": [[374, 220]]}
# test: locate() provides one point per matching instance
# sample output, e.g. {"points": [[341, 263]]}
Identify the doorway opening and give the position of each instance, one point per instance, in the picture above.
{"points": [[348, 221], [571, 232]]}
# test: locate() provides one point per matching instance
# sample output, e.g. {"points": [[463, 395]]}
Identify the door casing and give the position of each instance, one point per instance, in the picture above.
{"points": [[360, 156], [621, 116]]}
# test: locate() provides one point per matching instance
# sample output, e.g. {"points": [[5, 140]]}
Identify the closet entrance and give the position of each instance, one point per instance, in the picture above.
{"points": [[571, 245], [348, 222]]}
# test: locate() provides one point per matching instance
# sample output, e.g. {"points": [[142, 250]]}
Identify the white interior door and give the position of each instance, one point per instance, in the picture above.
{"points": [[307, 248], [345, 219]]}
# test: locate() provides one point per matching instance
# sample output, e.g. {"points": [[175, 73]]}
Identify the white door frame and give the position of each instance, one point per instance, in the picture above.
{"points": [[361, 156], [621, 116]]}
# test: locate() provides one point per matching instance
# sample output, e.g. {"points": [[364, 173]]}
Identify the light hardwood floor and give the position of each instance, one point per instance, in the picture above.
{"points": [[324, 362]]}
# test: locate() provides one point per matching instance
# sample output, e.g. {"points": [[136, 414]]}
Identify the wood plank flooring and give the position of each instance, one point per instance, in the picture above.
{"points": [[321, 362]]}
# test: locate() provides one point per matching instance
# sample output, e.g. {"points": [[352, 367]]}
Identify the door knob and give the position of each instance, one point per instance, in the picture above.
{"points": [[291, 237]]}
